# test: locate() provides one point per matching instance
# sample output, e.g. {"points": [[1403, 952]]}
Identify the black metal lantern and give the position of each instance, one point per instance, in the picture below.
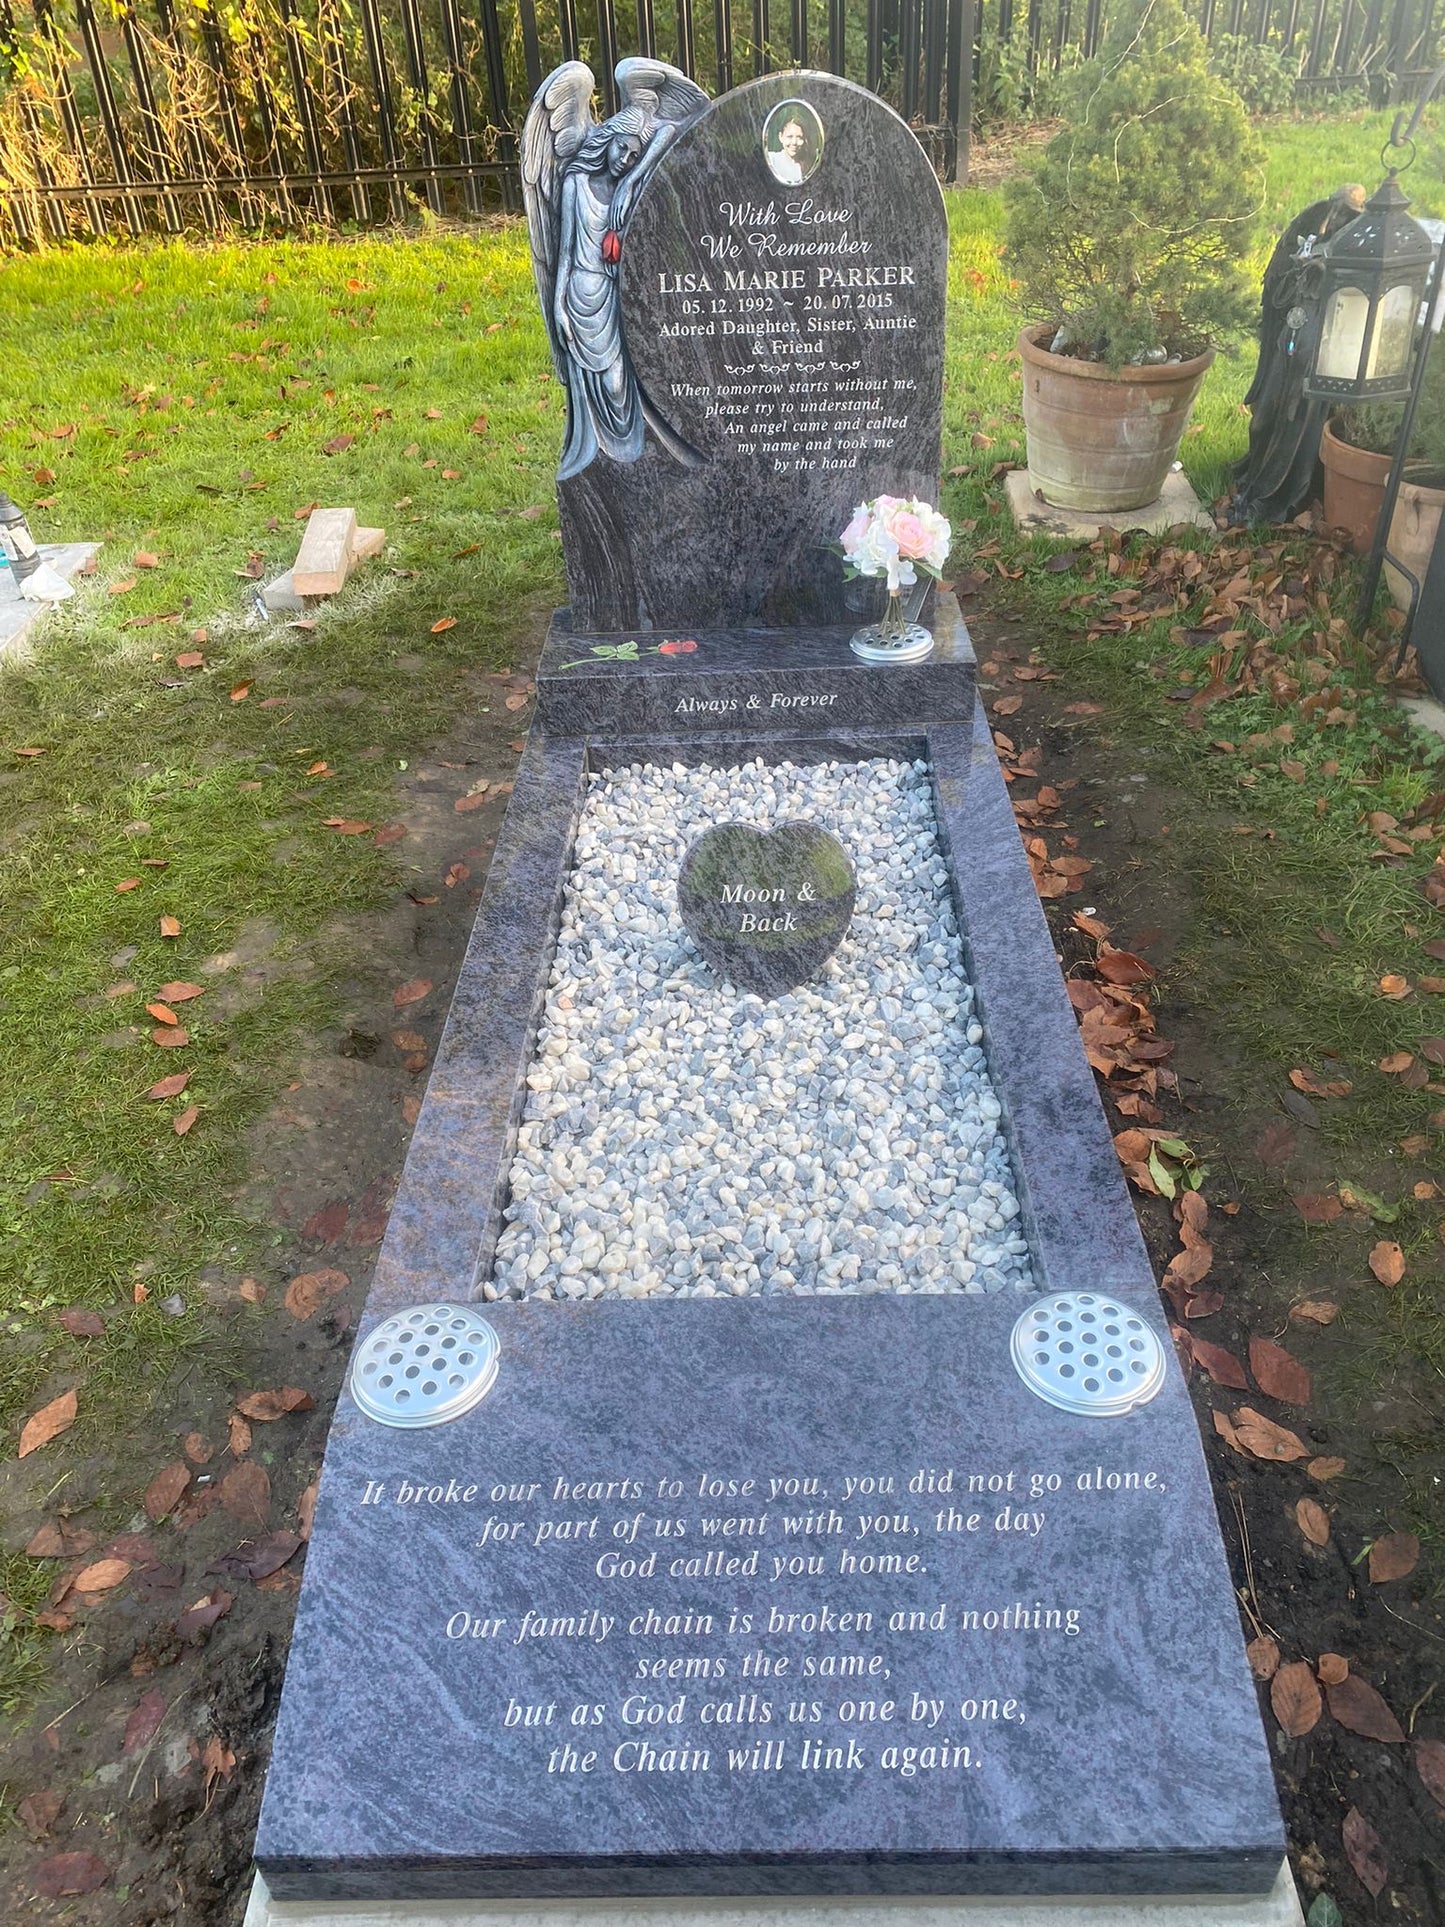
{"points": [[1373, 277]]}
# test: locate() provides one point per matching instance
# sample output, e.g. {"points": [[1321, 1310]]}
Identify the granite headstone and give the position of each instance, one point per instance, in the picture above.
{"points": [[746, 300], [767, 908]]}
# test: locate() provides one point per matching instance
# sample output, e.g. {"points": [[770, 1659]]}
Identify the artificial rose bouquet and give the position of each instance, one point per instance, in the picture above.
{"points": [[896, 537]]}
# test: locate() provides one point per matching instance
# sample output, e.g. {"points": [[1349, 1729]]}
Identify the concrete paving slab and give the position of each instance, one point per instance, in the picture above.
{"points": [[1034, 516]]}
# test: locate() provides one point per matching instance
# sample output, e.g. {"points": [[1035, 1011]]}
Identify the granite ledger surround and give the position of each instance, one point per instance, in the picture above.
{"points": [[775, 1595], [792, 336], [1113, 1759]]}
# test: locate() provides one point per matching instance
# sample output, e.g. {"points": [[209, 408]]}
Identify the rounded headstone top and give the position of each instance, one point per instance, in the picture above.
{"points": [[783, 277]]}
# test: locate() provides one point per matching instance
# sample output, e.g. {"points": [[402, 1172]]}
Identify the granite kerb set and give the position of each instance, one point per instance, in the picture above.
{"points": [[794, 1588]]}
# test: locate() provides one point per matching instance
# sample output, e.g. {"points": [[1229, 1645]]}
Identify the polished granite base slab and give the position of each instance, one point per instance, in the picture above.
{"points": [[434, 1744], [689, 682], [1280, 1907]]}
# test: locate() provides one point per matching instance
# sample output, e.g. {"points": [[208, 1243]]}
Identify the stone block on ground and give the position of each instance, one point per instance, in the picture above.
{"points": [[1178, 504]]}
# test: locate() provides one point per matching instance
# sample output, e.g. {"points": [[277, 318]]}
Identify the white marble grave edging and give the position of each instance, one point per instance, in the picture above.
{"points": [[1279, 1908], [18, 616]]}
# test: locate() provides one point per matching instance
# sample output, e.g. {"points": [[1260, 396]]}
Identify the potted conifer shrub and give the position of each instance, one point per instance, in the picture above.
{"points": [[1128, 244]]}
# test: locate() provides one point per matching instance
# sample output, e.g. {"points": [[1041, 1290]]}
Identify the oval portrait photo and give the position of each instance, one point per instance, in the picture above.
{"points": [[792, 142]]}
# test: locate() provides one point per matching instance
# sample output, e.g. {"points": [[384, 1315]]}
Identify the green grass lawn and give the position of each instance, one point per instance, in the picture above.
{"points": [[188, 404]]}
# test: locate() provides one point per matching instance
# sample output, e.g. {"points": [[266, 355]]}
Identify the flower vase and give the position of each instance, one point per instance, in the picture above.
{"points": [[898, 636]]}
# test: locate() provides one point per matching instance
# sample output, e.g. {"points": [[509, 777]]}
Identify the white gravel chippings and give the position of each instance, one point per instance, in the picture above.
{"points": [[684, 1139]]}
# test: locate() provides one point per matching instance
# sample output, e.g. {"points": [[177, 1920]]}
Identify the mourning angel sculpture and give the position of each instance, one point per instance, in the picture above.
{"points": [[581, 179], [1276, 477]]}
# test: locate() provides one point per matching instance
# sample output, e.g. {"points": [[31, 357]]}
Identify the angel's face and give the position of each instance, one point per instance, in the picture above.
{"points": [[624, 151]]}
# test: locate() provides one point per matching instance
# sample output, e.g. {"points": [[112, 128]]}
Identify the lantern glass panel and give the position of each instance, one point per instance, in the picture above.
{"points": [[1394, 332], [1342, 338]]}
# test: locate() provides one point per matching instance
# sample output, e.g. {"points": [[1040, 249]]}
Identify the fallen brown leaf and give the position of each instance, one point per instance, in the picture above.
{"points": [[1295, 1696], [308, 1291], [1319, 1311], [1263, 1439], [1395, 1556], [1313, 1521], [1332, 1668], [1387, 1261], [183, 1120], [144, 1722], [443, 623], [266, 1406], [411, 992], [82, 1323], [167, 1489], [70, 1873], [48, 1423], [104, 1576], [257, 1558], [204, 1613], [38, 1812], [246, 1492], [1357, 1706], [198, 1448], [171, 1086], [1315, 1208], [306, 1508], [1188, 1268], [238, 1441], [1325, 1469], [180, 993], [219, 1761], [1222, 1366], [1278, 1372], [1263, 1656], [170, 926], [1275, 1145]]}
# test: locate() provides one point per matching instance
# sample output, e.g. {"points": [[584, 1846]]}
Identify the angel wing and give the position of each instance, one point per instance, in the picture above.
{"points": [[652, 83], [557, 123]]}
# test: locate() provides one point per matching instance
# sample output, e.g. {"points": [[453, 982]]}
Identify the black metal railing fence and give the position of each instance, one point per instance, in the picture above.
{"points": [[136, 116]]}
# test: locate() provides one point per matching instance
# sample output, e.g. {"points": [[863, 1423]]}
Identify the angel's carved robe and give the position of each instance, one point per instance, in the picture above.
{"points": [[606, 402], [582, 180]]}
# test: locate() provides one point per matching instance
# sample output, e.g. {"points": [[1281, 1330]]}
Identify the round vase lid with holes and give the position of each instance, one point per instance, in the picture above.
{"points": [[426, 1366], [1085, 1353]]}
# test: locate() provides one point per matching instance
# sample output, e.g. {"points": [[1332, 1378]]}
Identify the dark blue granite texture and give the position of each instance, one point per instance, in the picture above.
{"points": [[1139, 1766], [792, 336], [767, 908], [760, 680], [1125, 1756]]}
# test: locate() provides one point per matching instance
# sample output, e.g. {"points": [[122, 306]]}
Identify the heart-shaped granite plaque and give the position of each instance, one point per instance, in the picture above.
{"points": [[767, 908]]}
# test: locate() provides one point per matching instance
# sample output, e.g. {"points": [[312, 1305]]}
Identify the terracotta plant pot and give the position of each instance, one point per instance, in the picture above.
{"points": [[1412, 535], [1354, 487], [1097, 440]]}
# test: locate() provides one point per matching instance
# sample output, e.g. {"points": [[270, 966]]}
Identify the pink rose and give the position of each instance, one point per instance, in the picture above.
{"points": [[910, 535]]}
